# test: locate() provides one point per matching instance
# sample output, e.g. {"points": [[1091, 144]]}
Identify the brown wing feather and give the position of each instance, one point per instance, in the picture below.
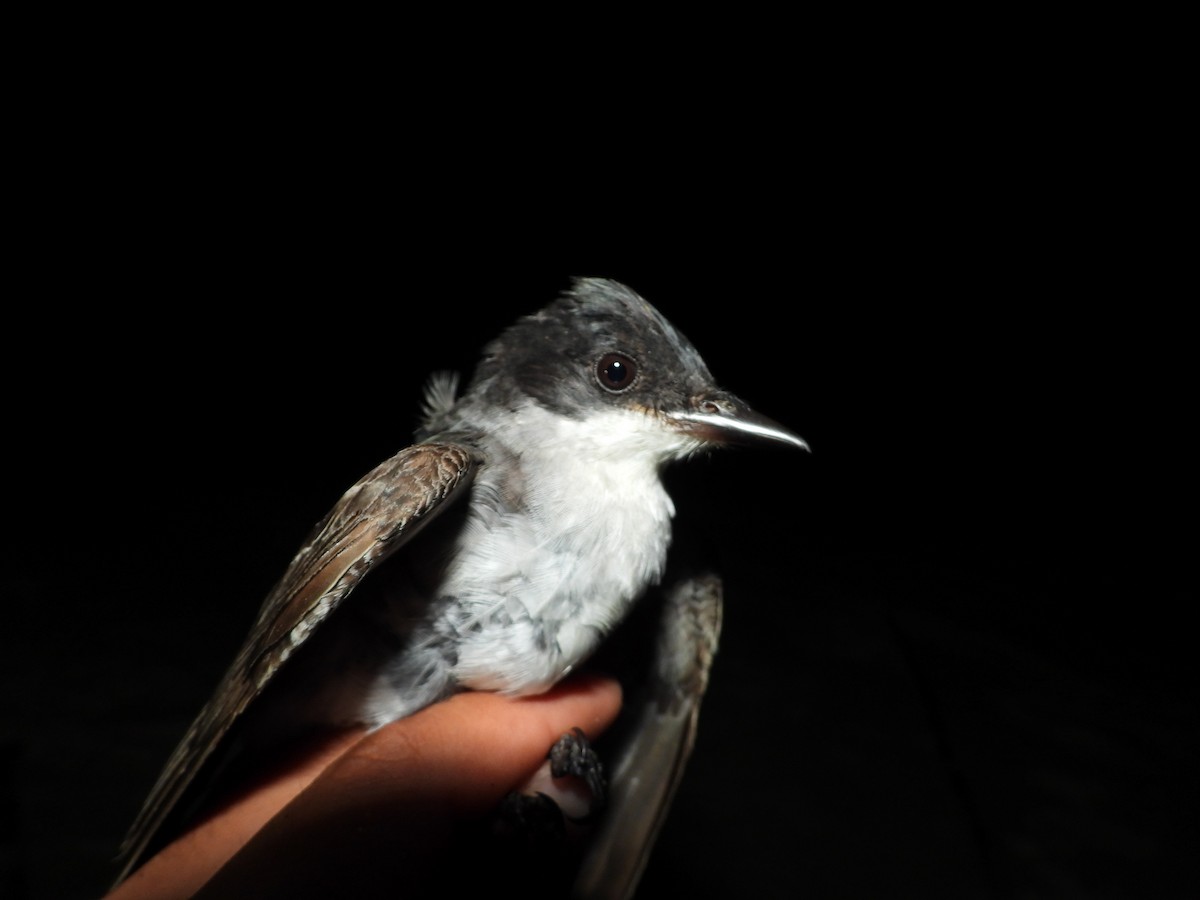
{"points": [[371, 521], [662, 722]]}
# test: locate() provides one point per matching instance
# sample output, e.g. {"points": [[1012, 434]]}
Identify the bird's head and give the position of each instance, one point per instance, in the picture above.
{"points": [[601, 353]]}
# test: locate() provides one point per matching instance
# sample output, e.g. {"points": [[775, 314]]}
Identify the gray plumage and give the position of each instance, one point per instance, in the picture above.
{"points": [[545, 519]]}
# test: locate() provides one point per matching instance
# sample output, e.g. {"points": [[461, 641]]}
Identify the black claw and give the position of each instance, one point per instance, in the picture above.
{"points": [[573, 755], [535, 817], [536, 820]]}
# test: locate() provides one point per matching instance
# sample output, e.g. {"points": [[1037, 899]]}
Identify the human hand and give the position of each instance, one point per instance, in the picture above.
{"points": [[361, 814]]}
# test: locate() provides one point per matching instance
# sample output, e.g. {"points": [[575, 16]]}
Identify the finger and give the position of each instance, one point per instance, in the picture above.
{"points": [[390, 806]]}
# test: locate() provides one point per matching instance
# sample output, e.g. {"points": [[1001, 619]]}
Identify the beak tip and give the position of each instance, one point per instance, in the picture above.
{"points": [[743, 426]]}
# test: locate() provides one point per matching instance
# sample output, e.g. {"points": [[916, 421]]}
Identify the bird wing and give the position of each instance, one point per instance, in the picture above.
{"points": [[655, 740], [373, 519]]}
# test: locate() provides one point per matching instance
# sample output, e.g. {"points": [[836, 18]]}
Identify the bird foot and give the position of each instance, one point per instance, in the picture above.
{"points": [[566, 793], [572, 756]]}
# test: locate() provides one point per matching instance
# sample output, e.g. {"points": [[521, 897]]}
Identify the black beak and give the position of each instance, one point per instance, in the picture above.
{"points": [[722, 418]]}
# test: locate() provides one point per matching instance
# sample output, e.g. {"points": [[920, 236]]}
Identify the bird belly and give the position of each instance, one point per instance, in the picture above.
{"points": [[535, 599], [528, 592]]}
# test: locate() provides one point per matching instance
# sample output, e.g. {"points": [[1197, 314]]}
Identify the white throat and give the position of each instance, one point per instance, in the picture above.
{"points": [[544, 579]]}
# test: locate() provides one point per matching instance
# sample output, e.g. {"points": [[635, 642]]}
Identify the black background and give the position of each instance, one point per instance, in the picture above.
{"points": [[958, 640]]}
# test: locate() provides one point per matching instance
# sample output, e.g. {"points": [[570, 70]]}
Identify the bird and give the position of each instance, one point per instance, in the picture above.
{"points": [[498, 552]]}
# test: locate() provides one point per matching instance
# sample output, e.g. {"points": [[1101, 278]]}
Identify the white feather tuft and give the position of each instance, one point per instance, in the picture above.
{"points": [[441, 392]]}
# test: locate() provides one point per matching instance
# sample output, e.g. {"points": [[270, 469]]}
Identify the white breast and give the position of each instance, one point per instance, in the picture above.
{"points": [[540, 585]]}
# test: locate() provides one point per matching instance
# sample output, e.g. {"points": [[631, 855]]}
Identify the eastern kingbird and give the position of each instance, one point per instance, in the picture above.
{"points": [[536, 501]]}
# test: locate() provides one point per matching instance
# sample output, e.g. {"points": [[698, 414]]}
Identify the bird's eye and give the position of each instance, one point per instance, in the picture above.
{"points": [[616, 372]]}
